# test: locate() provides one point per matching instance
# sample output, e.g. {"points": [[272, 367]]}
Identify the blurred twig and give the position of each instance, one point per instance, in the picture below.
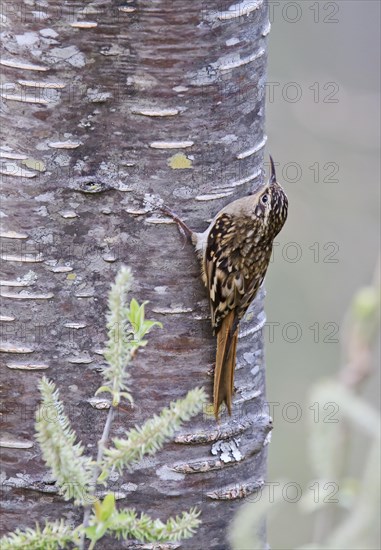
{"points": [[362, 322], [330, 439], [361, 327]]}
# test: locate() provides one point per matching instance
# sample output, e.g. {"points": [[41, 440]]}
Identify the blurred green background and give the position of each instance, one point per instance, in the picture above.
{"points": [[323, 124]]}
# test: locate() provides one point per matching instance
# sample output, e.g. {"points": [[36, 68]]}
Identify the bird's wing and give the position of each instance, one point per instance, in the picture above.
{"points": [[234, 269], [225, 280]]}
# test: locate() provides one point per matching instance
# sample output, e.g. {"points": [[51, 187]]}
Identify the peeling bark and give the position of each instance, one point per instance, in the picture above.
{"points": [[102, 104]]}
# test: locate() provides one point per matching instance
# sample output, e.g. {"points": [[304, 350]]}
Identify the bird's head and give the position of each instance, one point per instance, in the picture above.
{"points": [[271, 203]]}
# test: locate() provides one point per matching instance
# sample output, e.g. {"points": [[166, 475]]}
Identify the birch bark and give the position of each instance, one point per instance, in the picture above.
{"points": [[103, 103]]}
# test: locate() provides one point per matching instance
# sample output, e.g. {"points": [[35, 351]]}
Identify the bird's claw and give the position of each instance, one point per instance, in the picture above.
{"points": [[183, 228]]}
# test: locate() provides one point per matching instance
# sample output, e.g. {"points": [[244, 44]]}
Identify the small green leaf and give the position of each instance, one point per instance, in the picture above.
{"points": [[90, 532], [107, 507], [103, 389], [147, 325], [133, 314], [127, 395], [103, 476], [98, 510], [141, 314], [96, 532]]}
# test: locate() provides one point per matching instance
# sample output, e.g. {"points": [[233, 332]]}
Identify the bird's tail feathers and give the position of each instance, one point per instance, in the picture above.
{"points": [[225, 363]]}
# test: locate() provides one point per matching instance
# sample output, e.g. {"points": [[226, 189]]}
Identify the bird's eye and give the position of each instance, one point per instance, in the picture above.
{"points": [[265, 198]]}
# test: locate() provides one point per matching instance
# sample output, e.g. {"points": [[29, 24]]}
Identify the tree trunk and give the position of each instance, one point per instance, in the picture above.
{"points": [[103, 103]]}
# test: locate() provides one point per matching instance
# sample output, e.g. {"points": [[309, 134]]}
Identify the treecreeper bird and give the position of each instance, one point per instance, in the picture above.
{"points": [[235, 251]]}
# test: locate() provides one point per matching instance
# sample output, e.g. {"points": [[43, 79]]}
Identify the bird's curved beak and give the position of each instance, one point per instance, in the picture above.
{"points": [[272, 178]]}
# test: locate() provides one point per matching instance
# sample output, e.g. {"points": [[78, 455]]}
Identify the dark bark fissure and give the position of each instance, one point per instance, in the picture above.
{"points": [[159, 97]]}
